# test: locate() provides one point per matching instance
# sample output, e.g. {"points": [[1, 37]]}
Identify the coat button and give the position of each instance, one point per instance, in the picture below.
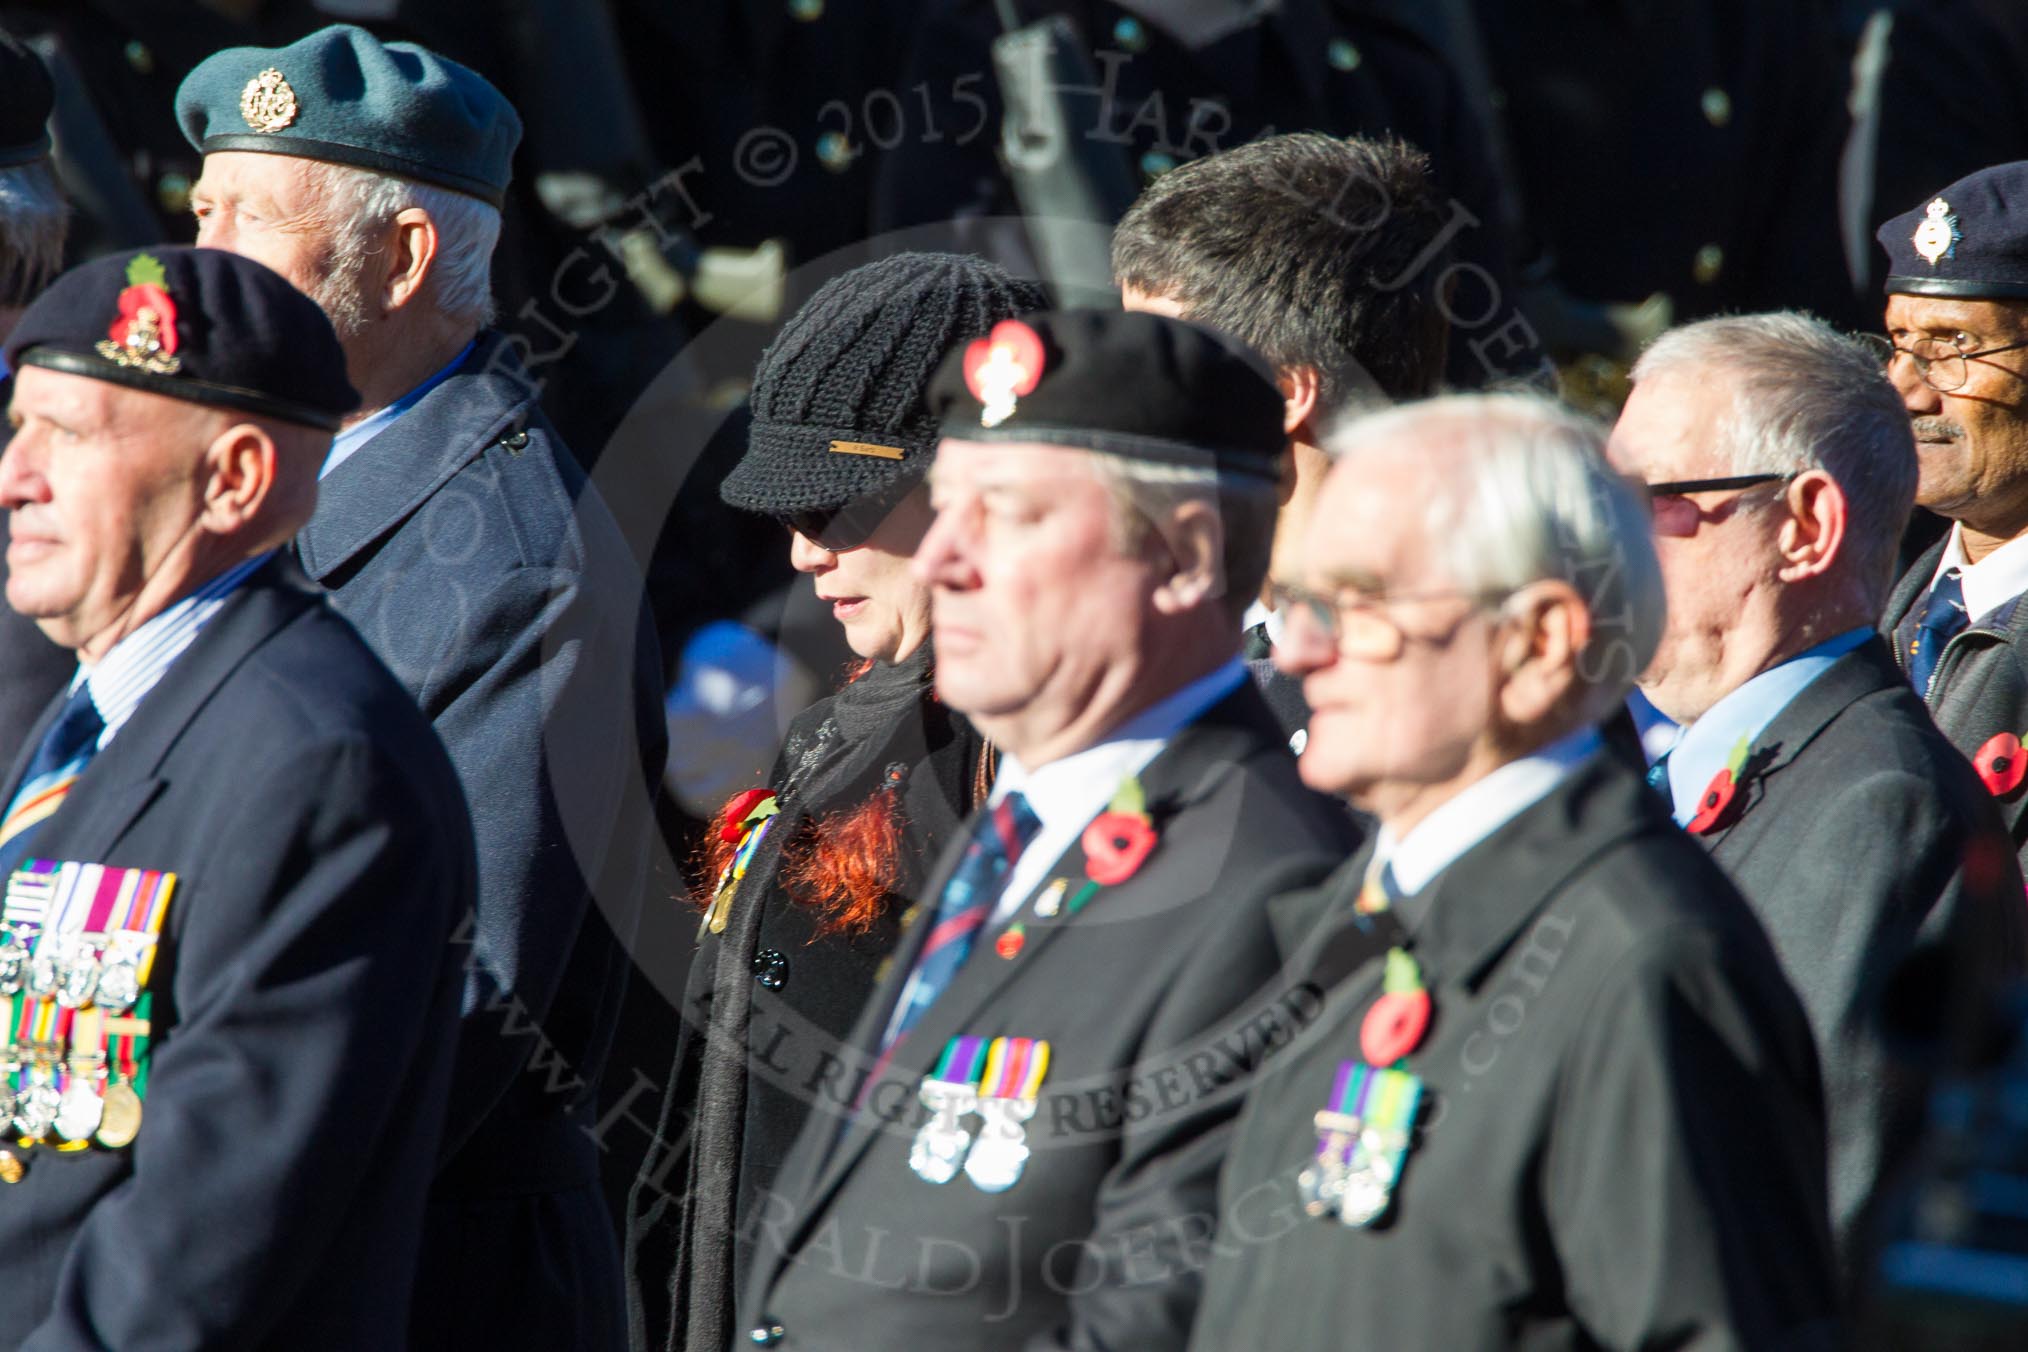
{"points": [[516, 440], [771, 968], [767, 1333]]}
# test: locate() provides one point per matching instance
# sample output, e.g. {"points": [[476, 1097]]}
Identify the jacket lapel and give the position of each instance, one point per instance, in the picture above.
{"points": [[1912, 585], [393, 475], [1481, 903]]}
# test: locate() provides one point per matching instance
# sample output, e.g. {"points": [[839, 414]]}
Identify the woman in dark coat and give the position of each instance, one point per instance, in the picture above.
{"points": [[810, 875]]}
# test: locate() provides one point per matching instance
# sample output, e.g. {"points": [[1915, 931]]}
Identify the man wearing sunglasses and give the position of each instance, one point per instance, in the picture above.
{"points": [[1780, 470], [1957, 323]]}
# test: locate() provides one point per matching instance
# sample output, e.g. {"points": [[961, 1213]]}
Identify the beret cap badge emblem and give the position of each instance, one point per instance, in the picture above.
{"points": [[143, 334], [1936, 238], [1003, 365], [268, 103]]}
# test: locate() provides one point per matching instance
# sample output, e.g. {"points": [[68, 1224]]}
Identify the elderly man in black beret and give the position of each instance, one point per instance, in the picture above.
{"points": [[1019, 1144], [457, 533], [1957, 320], [32, 222], [233, 852]]}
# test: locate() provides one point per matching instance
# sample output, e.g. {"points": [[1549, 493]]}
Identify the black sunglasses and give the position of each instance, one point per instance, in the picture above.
{"points": [[1679, 487], [850, 526]]}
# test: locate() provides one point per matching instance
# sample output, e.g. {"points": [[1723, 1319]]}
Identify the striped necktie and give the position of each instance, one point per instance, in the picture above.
{"points": [[66, 749], [1002, 833], [1943, 619]]}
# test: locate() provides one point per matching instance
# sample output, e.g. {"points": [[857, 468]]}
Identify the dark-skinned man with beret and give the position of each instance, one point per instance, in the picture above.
{"points": [[456, 532], [32, 218], [1018, 1144], [1957, 320], [233, 851]]}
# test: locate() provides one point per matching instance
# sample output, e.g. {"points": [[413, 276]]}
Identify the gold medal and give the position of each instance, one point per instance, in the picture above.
{"points": [[120, 1118]]}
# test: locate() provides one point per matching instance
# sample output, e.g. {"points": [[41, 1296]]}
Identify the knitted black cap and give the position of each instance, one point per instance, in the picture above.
{"points": [[26, 96], [840, 407]]}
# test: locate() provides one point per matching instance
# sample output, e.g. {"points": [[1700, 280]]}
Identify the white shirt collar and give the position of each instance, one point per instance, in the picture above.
{"points": [[1066, 793], [1438, 840], [136, 664], [1991, 582]]}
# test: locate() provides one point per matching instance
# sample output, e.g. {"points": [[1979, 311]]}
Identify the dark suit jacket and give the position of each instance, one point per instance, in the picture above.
{"points": [[305, 1004], [1622, 1140], [1155, 998], [466, 546], [1863, 835], [1980, 687]]}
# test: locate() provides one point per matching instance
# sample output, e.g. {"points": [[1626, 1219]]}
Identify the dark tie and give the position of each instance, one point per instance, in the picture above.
{"points": [[1658, 777], [66, 749], [1000, 835], [1943, 616]]}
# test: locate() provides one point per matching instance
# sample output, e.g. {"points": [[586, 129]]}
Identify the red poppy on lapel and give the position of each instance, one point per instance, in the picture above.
{"points": [[2001, 764], [732, 822]]}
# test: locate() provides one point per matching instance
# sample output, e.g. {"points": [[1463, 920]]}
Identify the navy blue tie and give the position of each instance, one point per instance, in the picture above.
{"points": [[66, 749], [1943, 617]]}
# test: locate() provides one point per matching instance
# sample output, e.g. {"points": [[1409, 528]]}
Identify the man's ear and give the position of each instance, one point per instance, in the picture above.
{"points": [[1194, 541], [1814, 532], [412, 255], [1300, 387], [1540, 650], [242, 467]]}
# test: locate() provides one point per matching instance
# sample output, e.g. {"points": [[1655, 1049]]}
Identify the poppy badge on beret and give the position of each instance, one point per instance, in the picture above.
{"points": [[1002, 366], [143, 334]]}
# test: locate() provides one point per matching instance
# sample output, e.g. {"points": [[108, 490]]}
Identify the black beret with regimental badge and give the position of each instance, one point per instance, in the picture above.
{"points": [[1970, 240], [26, 96], [1133, 384], [200, 325], [343, 96]]}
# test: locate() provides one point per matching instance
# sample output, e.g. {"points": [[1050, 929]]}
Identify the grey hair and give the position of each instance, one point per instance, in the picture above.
{"points": [[1805, 396], [361, 203], [34, 219], [1145, 494], [1521, 493]]}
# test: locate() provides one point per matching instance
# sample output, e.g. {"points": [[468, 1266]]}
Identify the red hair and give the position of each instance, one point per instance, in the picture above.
{"points": [[843, 866]]}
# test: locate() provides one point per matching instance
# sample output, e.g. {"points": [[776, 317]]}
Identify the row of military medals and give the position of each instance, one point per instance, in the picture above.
{"points": [[73, 989], [999, 1082], [1367, 1126]]}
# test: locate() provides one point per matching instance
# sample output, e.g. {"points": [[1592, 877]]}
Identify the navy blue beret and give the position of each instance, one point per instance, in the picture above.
{"points": [[1969, 240], [200, 325], [344, 96], [26, 97], [1134, 384]]}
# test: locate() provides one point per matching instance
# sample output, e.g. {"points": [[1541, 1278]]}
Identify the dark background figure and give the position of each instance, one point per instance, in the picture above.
{"points": [[32, 219], [1175, 85]]}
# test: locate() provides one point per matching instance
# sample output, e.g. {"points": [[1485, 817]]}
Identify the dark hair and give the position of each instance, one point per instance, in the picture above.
{"points": [[1314, 250]]}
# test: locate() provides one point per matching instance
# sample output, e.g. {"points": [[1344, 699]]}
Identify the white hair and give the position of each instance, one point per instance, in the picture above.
{"points": [[1521, 493], [1805, 396], [1146, 493], [362, 203], [33, 222]]}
